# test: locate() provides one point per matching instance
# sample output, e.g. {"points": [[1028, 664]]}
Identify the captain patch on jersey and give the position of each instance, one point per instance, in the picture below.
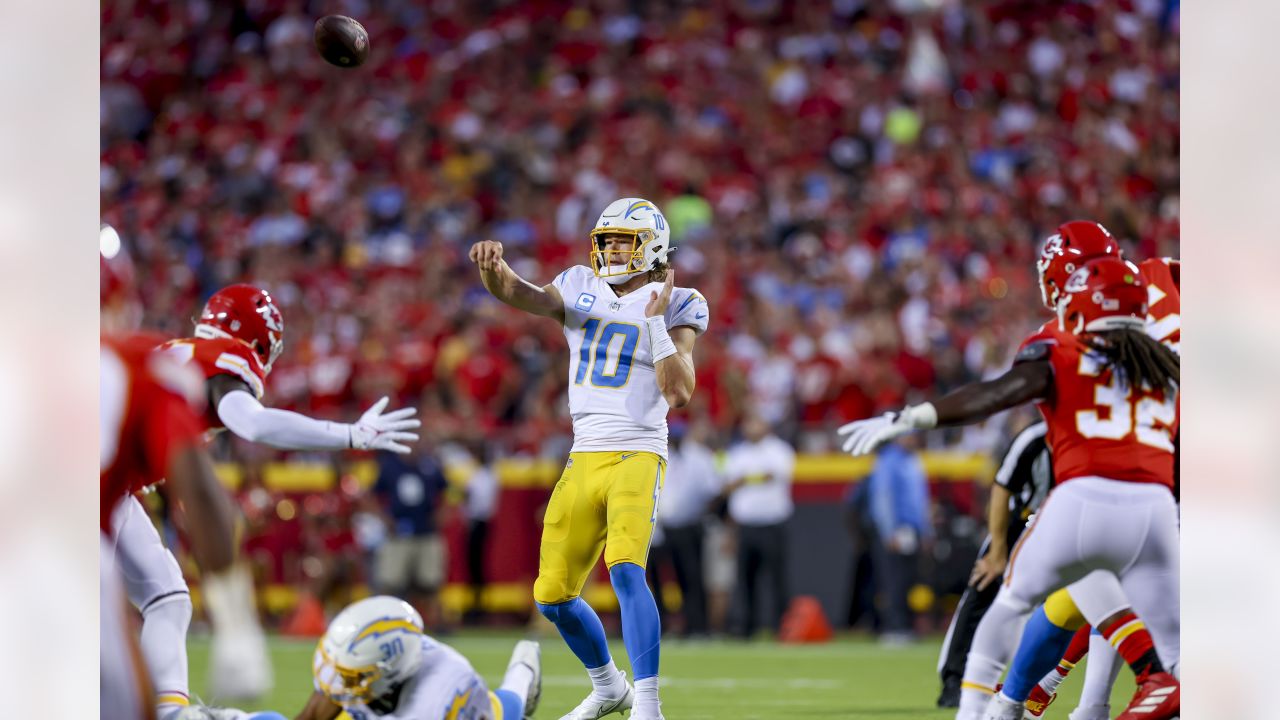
{"points": [[613, 389]]}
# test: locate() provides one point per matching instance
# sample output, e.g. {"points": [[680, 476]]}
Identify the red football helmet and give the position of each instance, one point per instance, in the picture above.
{"points": [[1105, 294], [248, 314], [1074, 243]]}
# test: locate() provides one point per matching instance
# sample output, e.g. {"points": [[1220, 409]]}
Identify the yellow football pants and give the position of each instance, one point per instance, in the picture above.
{"points": [[604, 500], [1062, 611]]}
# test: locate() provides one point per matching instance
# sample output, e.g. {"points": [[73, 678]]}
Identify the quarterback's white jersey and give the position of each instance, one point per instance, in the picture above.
{"points": [[613, 388], [446, 686]]}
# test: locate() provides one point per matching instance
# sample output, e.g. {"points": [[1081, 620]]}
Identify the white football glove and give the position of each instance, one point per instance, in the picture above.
{"points": [[375, 431], [862, 437]]}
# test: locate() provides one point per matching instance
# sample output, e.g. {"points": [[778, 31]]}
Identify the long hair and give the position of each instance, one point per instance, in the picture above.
{"points": [[1137, 358], [658, 273]]}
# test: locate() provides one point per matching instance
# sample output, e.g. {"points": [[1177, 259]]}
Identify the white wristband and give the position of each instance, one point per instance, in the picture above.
{"points": [[661, 344], [921, 417]]}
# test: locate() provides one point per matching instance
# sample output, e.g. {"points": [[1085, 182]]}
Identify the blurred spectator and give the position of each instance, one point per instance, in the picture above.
{"points": [[720, 553], [481, 503], [896, 515], [411, 562], [758, 474], [862, 583], [692, 484]]}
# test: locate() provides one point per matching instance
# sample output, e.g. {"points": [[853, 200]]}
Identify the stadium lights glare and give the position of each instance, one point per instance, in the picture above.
{"points": [[108, 241]]}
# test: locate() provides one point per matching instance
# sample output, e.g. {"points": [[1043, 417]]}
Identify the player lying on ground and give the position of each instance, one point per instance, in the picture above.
{"points": [[1108, 392], [631, 334], [149, 431], [376, 663], [238, 336]]}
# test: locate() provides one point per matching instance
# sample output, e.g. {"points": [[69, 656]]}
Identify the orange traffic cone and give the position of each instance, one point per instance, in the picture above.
{"points": [[804, 622], [307, 619]]}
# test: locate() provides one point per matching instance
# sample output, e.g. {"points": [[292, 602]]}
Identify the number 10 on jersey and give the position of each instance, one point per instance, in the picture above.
{"points": [[607, 368]]}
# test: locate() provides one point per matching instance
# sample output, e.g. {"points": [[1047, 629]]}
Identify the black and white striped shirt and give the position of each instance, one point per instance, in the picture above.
{"points": [[1026, 471]]}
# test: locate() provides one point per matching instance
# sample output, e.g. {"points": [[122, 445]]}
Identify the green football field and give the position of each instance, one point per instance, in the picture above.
{"points": [[851, 677]]}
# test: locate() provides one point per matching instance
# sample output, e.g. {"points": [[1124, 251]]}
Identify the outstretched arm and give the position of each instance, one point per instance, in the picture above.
{"points": [[243, 415], [1025, 381], [972, 403], [503, 283]]}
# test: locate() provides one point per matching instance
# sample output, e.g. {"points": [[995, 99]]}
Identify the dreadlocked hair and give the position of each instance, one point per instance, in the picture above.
{"points": [[1140, 360]]}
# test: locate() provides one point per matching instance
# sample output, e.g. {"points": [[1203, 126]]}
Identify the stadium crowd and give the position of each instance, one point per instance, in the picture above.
{"points": [[858, 187]]}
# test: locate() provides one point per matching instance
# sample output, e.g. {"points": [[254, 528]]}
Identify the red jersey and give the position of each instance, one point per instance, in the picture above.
{"points": [[145, 416], [1164, 323], [221, 356], [1096, 425]]}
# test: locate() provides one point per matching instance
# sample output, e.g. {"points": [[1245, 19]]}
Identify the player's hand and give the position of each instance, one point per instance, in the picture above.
{"points": [[658, 302], [862, 437], [487, 254], [988, 569], [375, 431]]}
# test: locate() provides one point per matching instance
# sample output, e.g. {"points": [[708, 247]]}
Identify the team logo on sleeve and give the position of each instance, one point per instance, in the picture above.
{"points": [[585, 301]]}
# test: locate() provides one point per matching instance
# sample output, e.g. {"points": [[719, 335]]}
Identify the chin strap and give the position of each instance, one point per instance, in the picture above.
{"points": [[619, 279]]}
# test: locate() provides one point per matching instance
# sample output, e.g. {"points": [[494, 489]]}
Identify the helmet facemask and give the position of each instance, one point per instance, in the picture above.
{"points": [[349, 686], [601, 257]]}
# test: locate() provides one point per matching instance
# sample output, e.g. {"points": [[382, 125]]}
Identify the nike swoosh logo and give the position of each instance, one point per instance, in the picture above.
{"points": [[627, 455], [700, 316]]}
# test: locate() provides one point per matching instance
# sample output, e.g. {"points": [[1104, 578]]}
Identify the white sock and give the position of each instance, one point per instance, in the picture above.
{"points": [[607, 681], [1049, 683], [1100, 672], [980, 677], [517, 681], [993, 645], [647, 695], [164, 647]]}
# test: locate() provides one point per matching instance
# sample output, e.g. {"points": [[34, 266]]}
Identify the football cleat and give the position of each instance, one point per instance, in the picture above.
{"points": [[1038, 701], [529, 654], [950, 695], [1000, 707], [597, 706], [1159, 697]]}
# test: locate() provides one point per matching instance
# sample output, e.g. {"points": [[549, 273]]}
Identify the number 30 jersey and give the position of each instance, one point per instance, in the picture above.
{"points": [[613, 388]]}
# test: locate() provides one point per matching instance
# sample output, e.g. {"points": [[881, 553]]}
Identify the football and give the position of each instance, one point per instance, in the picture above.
{"points": [[342, 41]]}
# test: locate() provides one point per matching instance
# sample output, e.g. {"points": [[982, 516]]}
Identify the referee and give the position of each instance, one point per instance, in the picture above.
{"points": [[1021, 484]]}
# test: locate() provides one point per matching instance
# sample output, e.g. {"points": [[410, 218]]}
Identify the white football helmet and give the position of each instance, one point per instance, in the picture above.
{"points": [[650, 239], [370, 648]]}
